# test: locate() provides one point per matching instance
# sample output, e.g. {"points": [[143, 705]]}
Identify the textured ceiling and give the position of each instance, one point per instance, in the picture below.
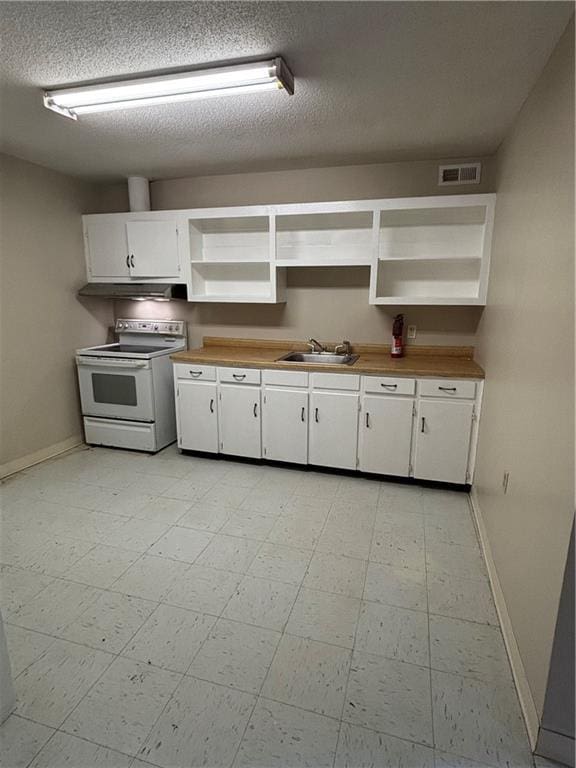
{"points": [[375, 81]]}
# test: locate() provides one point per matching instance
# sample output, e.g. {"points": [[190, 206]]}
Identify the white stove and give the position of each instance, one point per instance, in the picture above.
{"points": [[126, 388]]}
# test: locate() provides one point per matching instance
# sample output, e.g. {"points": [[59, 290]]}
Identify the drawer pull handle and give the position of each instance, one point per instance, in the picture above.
{"points": [[389, 386], [195, 373], [239, 376], [132, 261], [447, 389], [423, 427], [367, 420], [316, 419], [212, 405], [128, 260], [255, 410], [303, 413]]}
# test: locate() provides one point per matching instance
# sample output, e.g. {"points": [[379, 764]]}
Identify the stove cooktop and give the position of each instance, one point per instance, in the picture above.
{"points": [[127, 349]]}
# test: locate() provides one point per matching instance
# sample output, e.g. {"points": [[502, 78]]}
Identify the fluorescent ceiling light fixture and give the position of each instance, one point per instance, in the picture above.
{"points": [[271, 75]]}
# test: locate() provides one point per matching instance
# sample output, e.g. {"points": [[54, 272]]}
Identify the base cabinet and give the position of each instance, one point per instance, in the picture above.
{"points": [[285, 425], [442, 441], [197, 416], [240, 420], [333, 436], [385, 435]]}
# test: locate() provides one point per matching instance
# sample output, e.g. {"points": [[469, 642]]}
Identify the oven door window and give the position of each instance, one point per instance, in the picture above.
{"points": [[114, 388]]}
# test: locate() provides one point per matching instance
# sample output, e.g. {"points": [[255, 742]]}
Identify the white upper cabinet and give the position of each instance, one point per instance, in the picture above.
{"points": [[419, 250], [153, 248]]}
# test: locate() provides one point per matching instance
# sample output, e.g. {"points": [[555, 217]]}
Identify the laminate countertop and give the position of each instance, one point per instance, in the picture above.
{"points": [[437, 362]]}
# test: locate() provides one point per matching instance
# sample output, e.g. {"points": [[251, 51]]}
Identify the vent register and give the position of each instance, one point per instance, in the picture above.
{"points": [[465, 173]]}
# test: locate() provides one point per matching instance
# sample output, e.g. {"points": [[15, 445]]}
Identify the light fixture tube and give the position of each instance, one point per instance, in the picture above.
{"points": [[166, 89]]}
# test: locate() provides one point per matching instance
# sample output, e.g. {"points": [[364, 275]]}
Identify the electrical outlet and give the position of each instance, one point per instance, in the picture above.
{"points": [[411, 333], [505, 480]]}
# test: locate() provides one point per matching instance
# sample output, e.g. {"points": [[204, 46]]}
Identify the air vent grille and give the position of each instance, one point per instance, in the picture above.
{"points": [[468, 173]]}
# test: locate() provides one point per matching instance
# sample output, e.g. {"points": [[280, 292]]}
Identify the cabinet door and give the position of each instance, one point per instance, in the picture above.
{"points": [[386, 435], [197, 416], [106, 248], [285, 425], [240, 420], [153, 248], [333, 422], [443, 440]]}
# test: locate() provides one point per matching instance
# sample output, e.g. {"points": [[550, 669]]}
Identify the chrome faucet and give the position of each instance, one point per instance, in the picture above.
{"points": [[345, 347], [315, 346]]}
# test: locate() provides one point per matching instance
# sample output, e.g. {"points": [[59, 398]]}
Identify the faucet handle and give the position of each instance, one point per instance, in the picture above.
{"points": [[345, 346]]}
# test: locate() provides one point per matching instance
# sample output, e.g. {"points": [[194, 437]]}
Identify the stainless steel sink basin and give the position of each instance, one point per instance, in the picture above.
{"points": [[322, 358]]}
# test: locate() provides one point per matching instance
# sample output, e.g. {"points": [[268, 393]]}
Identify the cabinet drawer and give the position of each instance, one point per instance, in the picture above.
{"points": [[448, 388], [285, 378], [239, 375], [193, 371], [388, 385], [335, 381]]}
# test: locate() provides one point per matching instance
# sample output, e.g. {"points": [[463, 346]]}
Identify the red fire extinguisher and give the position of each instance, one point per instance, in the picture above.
{"points": [[397, 349]]}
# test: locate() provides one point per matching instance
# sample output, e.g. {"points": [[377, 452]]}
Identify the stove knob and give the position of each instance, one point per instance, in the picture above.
{"points": [[155, 327], [120, 325]]}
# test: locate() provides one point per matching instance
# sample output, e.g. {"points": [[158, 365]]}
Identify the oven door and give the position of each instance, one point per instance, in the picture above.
{"points": [[116, 388]]}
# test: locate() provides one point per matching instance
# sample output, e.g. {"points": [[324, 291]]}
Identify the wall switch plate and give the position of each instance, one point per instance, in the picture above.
{"points": [[505, 481], [411, 333]]}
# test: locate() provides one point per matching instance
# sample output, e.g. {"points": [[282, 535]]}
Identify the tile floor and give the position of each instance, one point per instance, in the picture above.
{"points": [[176, 611]]}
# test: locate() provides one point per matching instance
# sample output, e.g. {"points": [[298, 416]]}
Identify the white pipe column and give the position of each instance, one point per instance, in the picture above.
{"points": [[138, 193]]}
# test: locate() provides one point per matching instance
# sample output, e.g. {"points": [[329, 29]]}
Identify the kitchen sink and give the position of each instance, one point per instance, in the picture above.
{"points": [[321, 358]]}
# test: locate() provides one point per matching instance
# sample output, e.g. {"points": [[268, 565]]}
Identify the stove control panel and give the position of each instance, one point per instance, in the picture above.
{"points": [[161, 327]]}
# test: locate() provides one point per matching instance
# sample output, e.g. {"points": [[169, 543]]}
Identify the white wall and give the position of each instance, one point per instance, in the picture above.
{"points": [[526, 344], [327, 304], [42, 321]]}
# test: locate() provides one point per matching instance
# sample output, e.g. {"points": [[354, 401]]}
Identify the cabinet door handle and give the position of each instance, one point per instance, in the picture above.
{"points": [[195, 373], [239, 376], [447, 389], [303, 414], [316, 419], [367, 420], [128, 260], [212, 405], [423, 427], [132, 261], [389, 386], [255, 410]]}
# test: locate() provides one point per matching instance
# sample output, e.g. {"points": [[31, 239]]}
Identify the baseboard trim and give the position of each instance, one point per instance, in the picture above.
{"points": [[24, 462], [519, 673], [556, 746]]}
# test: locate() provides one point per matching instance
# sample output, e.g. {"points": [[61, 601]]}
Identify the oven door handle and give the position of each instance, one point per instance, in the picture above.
{"points": [[111, 363]]}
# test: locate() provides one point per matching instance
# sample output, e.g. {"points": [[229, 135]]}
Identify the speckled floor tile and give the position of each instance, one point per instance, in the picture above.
{"points": [[445, 760], [262, 602], [170, 638], [181, 544], [237, 655], [205, 517], [24, 646], [55, 607], [296, 530], [279, 736], [335, 573], [109, 622], [20, 741], [361, 748], [18, 586], [162, 510], [188, 489], [461, 598], [252, 525], [122, 707], [397, 633], [268, 500], [389, 696], [202, 726], [468, 649], [65, 751], [455, 560], [479, 720], [102, 566], [345, 539], [399, 540], [318, 485], [203, 589], [402, 587], [226, 495], [136, 535], [128, 502], [231, 553], [274, 561], [308, 674], [49, 689], [450, 528], [150, 577], [326, 617]]}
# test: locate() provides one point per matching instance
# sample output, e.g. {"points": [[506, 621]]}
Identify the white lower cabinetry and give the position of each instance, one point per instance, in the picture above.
{"points": [[385, 435], [409, 427], [240, 420]]}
